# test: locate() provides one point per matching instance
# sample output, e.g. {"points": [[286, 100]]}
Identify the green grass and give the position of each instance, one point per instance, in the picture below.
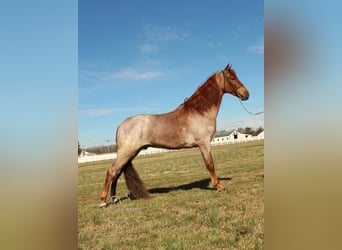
{"points": [[185, 212]]}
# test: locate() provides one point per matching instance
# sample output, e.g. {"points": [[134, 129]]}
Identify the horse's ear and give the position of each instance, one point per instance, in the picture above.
{"points": [[228, 67]]}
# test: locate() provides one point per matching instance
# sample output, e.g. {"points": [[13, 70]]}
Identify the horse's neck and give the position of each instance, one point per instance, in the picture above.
{"points": [[213, 112], [206, 100]]}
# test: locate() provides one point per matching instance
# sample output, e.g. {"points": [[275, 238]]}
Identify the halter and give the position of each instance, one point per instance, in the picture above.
{"points": [[224, 84], [224, 87]]}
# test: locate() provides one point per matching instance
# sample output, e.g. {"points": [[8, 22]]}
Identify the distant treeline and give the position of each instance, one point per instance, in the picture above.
{"points": [[101, 149], [104, 149]]}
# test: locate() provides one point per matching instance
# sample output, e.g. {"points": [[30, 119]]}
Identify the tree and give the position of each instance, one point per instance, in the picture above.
{"points": [[248, 131], [79, 148], [101, 149], [259, 130]]}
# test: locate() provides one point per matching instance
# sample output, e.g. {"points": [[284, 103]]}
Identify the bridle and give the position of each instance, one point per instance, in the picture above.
{"points": [[224, 84], [235, 89]]}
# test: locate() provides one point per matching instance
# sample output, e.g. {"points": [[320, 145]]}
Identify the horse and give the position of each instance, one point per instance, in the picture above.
{"points": [[191, 124]]}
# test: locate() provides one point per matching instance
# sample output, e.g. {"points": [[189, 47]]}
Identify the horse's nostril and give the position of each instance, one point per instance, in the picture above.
{"points": [[244, 97]]}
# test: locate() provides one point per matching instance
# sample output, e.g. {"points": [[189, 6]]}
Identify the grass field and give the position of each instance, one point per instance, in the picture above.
{"points": [[185, 212]]}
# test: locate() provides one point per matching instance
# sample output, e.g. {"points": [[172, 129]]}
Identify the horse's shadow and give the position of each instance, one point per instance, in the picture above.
{"points": [[202, 184]]}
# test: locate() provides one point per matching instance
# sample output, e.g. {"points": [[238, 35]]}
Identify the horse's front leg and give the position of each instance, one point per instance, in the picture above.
{"points": [[209, 163]]}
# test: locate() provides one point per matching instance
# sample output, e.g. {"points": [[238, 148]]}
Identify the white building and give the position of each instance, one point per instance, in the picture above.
{"points": [[261, 135], [233, 137]]}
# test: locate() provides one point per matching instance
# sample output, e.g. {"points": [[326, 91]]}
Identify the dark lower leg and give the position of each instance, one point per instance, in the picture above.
{"points": [[113, 186]]}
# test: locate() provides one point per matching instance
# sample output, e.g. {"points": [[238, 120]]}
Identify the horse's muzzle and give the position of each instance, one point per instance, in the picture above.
{"points": [[244, 97]]}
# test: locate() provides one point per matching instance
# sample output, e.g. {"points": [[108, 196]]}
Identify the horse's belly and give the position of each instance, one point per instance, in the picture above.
{"points": [[174, 138]]}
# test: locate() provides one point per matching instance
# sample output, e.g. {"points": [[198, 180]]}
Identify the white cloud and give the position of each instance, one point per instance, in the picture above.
{"points": [[210, 44], [132, 74], [148, 48], [155, 33], [108, 111], [257, 48], [96, 112]]}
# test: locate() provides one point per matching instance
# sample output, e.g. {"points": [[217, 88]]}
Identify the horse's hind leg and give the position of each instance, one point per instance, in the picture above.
{"points": [[113, 187], [113, 174]]}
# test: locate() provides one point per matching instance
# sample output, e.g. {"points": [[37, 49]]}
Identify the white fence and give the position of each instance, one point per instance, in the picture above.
{"points": [[216, 141], [92, 158], [229, 140]]}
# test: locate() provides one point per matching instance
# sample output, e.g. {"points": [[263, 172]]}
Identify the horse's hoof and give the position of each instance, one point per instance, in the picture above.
{"points": [[220, 187], [116, 199], [103, 205]]}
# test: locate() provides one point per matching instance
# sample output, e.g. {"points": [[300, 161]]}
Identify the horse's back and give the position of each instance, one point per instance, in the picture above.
{"points": [[150, 130]]}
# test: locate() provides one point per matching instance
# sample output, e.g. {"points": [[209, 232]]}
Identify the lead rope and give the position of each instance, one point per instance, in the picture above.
{"points": [[224, 87], [258, 113]]}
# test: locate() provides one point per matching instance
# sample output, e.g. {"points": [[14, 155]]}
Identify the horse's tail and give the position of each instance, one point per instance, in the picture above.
{"points": [[134, 184]]}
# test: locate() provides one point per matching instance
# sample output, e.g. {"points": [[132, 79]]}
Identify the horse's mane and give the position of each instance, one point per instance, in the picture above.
{"points": [[204, 97]]}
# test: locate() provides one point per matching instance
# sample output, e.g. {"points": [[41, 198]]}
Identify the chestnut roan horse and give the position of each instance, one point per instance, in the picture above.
{"points": [[191, 124]]}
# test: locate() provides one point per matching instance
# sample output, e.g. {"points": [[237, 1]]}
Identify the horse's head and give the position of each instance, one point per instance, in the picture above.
{"points": [[232, 84]]}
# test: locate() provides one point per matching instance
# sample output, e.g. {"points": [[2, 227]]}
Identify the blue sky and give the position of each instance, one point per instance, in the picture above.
{"points": [[140, 57]]}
